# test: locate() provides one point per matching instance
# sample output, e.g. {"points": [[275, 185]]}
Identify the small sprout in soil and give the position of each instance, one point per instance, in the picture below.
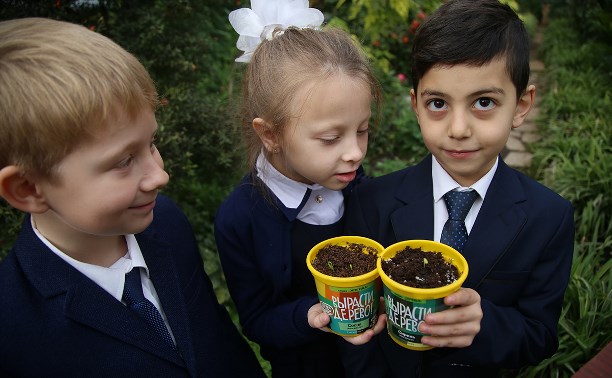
{"points": [[350, 260], [411, 267]]}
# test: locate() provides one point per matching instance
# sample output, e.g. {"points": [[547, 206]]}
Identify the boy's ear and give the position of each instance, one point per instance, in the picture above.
{"points": [[413, 101], [523, 106], [20, 192], [267, 136]]}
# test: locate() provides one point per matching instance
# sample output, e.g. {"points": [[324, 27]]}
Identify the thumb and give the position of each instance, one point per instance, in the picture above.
{"points": [[320, 320]]}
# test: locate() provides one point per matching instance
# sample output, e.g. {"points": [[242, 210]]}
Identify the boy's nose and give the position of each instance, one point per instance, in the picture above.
{"points": [[155, 176], [459, 126]]}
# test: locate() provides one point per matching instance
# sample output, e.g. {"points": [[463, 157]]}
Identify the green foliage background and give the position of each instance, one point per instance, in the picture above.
{"points": [[574, 158], [188, 47]]}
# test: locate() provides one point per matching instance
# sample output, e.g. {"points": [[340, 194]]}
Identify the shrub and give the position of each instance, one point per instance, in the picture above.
{"points": [[573, 159]]}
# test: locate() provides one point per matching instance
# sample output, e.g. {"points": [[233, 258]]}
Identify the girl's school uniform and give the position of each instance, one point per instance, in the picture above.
{"points": [[264, 230]]}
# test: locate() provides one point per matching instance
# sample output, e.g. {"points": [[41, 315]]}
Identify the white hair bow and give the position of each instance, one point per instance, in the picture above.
{"points": [[258, 23]]}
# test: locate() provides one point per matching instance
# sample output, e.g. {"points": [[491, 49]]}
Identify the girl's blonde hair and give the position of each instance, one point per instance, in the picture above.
{"points": [[59, 83], [281, 66]]}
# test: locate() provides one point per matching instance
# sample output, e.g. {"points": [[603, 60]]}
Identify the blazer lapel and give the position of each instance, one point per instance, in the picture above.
{"points": [[84, 301], [414, 220], [163, 274], [497, 224], [90, 305]]}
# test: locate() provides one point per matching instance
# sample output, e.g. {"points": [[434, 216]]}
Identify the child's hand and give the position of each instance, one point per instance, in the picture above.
{"points": [[366, 336], [319, 319], [457, 326]]}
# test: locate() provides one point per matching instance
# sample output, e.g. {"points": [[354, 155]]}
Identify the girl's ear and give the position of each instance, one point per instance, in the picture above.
{"points": [[20, 192], [523, 106], [266, 134]]}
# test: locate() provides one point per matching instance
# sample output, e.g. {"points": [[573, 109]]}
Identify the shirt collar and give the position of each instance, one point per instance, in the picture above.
{"points": [[110, 279], [443, 182], [290, 192], [323, 206]]}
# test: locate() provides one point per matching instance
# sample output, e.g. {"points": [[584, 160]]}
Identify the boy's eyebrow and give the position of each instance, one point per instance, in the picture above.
{"points": [[489, 90], [497, 90], [429, 92]]}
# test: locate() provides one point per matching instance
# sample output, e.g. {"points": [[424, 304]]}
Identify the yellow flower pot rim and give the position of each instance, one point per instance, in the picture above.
{"points": [[428, 246], [338, 281]]}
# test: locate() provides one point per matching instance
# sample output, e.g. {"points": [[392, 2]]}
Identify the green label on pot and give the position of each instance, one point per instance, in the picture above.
{"points": [[351, 310], [405, 314]]}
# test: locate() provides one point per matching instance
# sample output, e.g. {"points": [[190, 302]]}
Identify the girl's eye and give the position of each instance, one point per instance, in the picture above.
{"points": [[484, 103], [364, 131], [436, 105], [331, 140]]}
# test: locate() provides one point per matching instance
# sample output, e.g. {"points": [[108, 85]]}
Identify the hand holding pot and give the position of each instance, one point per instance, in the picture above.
{"points": [[457, 326], [317, 318]]}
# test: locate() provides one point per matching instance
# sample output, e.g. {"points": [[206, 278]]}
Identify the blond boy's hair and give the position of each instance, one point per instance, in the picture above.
{"points": [[59, 83]]}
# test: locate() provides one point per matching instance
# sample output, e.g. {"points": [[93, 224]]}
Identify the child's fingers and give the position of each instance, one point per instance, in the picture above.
{"points": [[470, 328], [466, 308], [448, 342], [380, 325], [381, 307], [455, 328], [450, 335], [367, 335], [317, 318], [462, 297], [320, 321]]}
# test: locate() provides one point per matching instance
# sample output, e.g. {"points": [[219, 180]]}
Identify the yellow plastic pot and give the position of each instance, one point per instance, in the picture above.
{"points": [[407, 306], [351, 302]]}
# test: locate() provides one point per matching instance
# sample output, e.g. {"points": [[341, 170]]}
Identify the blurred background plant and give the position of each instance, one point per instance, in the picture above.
{"points": [[189, 48], [574, 158]]}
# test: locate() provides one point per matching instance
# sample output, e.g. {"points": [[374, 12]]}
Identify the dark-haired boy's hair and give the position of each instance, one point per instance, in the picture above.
{"points": [[472, 32]]}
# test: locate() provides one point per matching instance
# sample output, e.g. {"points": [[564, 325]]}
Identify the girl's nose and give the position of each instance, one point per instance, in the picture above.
{"points": [[356, 149]]}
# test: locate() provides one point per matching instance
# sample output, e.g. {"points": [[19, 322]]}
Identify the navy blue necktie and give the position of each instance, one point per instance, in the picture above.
{"points": [[135, 299], [458, 205]]}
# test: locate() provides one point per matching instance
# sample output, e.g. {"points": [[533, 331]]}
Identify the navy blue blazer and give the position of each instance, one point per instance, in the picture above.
{"points": [[253, 235], [519, 253], [56, 322]]}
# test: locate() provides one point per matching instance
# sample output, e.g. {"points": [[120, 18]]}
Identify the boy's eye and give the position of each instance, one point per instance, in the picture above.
{"points": [[484, 103], [152, 146], [126, 162], [436, 105]]}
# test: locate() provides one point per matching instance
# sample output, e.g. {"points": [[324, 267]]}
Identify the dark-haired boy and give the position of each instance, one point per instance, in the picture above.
{"points": [[470, 89]]}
